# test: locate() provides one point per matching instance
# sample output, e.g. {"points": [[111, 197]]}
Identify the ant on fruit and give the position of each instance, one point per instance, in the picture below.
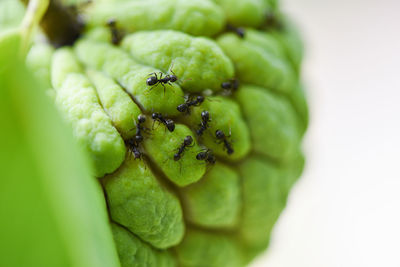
{"points": [[190, 101], [116, 35], [224, 139], [238, 30], [140, 128], [167, 122], [134, 142], [231, 85], [133, 147], [187, 142], [207, 156], [167, 79], [204, 124]]}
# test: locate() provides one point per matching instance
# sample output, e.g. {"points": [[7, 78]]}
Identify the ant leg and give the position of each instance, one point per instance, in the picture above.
{"points": [[212, 100], [146, 130], [153, 73], [153, 86], [192, 145], [173, 91], [170, 84], [170, 68], [131, 129], [150, 89]]}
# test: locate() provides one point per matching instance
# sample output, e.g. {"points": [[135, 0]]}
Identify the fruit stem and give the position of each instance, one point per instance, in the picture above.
{"points": [[61, 24]]}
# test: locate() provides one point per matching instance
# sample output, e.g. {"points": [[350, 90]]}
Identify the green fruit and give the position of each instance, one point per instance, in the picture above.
{"points": [[185, 211]]}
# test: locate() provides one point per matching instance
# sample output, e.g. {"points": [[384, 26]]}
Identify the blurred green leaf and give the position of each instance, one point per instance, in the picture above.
{"points": [[52, 212], [11, 13]]}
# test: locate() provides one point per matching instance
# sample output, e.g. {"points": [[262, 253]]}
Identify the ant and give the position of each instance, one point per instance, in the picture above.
{"points": [[223, 139], [238, 30], [187, 142], [205, 119], [133, 147], [134, 142], [139, 128], [232, 84], [185, 107], [207, 156], [167, 122], [168, 79], [116, 35]]}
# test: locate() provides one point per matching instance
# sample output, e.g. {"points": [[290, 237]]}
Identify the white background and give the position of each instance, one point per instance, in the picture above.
{"points": [[345, 211]]}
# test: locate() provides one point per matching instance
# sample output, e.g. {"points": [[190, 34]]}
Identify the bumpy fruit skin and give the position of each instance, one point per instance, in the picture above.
{"points": [[185, 212]]}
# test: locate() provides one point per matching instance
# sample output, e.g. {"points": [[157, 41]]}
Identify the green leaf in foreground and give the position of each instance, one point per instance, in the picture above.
{"points": [[52, 211]]}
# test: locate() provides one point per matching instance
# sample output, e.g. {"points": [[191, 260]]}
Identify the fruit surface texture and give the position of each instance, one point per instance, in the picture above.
{"points": [[192, 113]]}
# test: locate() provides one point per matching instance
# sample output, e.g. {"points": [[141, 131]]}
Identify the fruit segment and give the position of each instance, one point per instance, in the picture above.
{"points": [[140, 203], [77, 99], [290, 40], [215, 200], [266, 41], [162, 146], [130, 75], [250, 13], [39, 61], [258, 65], [214, 249], [225, 115], [271, 120], [199, 63], [263, 200], [133, 252], [195, 17], [116, 103]]}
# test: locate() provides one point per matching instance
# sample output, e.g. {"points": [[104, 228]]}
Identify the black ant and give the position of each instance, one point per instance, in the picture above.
{"points": [[232, 84], [185, 107], [223, 138], [167, 122], [187, 142], [154, 80], [116, 35], [134, 142], [133, 147], [204, 124], [238, 30], [139, 129], [207, 156]]}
